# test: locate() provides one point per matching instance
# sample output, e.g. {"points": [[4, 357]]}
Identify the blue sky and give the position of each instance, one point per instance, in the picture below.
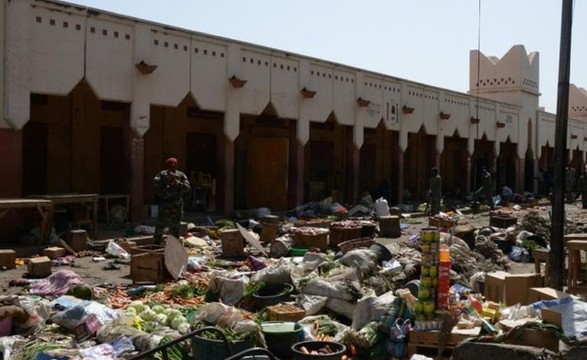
{"points": [[427, 41]]}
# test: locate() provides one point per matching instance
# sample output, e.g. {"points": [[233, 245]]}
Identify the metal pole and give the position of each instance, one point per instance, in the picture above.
{"points": [[560, 149]]}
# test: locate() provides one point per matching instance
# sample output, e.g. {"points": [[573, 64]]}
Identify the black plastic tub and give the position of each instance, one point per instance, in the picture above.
{"points": [[337, 350], [273, 294]]}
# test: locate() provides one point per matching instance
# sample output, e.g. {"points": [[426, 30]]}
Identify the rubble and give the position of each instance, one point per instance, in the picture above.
{"points": [[364, 290]]}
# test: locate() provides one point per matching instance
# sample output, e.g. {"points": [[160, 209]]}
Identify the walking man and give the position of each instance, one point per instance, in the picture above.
{"points": [[170, 184]]}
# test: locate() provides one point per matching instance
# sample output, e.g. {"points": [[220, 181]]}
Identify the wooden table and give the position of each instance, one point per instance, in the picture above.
{"points": [[74, 198], [43, 207], [107, 197]]}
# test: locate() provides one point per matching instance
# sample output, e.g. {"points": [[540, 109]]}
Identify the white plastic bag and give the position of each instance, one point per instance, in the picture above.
{"points": [[381, 207], [116, 250]]}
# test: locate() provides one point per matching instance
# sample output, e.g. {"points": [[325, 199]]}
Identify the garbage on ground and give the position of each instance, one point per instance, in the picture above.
{"points": [[366, 300]]}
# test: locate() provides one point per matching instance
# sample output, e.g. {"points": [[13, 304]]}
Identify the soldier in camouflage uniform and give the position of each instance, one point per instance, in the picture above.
{"points": [[170, 184]]}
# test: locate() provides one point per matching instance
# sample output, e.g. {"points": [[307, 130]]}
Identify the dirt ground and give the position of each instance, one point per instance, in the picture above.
{"points": [[94, 273]]}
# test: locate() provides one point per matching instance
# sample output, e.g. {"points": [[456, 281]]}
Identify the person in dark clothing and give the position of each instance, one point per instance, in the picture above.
{"points": [[171, 185], [570, 180], [582, 187], [434, 191], [486, 187]]}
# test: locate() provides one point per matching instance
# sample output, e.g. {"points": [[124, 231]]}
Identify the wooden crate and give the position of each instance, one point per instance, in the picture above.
{"points": [[319, 241], [39, 267], [339, 234], [148, 264], [285, 312], [349, 245], [441, 223], [233, 243], [8, 258], [429, 339], [77, 240], [502, 221], [54, 252]]}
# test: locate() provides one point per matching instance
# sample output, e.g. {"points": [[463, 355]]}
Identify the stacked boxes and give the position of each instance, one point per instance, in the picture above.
{"points": [[426, 305]]}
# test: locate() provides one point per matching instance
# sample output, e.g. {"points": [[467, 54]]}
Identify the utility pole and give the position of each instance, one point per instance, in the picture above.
{"points": [[557, 245]]}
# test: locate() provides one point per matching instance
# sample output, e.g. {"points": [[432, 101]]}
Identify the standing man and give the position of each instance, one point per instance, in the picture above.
{"points": [[487, 183], [583, 187], [434, 191], [570, 183], [170, 185]]}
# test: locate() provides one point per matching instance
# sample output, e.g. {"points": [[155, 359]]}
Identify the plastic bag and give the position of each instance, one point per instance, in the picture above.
{"points": [[371, 308], [229, 291], [219, 314], [116, 250], [73, 316]]}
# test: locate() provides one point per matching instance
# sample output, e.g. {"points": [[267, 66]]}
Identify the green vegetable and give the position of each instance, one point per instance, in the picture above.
{"points": [[148, 315], [177, 321]]}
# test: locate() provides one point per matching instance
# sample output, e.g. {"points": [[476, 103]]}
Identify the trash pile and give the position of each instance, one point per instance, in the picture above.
{"points": [[301, 286]]}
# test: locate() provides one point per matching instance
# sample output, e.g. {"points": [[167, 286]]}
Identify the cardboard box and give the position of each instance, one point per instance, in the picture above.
{"points": [[517, 287], [553, 317], [7, 258], [544, 293], [54, 252], [510, 289], [536, 338], [494, 286], [147, 263], [39, 266], [87, 328]]}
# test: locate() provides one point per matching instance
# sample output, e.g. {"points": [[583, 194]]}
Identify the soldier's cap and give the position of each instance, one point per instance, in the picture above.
{"points": [[171, 161]]}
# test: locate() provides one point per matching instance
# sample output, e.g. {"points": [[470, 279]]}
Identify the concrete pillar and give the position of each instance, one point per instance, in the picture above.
{"points": [[137, 171], [10, 163], [469, 175], [520, 176], [296, 171], [225, 187], [355, 158], [400, 174]]}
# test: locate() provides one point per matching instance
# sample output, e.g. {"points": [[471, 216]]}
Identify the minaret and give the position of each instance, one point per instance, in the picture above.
{"points": [[577, 102], [513, 79]]}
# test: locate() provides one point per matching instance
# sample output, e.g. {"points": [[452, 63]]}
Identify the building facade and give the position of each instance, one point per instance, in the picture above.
{"points": [[95, 101]]}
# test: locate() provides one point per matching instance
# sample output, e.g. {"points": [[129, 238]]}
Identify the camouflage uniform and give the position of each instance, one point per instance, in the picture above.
{"points": [[170, 187]]}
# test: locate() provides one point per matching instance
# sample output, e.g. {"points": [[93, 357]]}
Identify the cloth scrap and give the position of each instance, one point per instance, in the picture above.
{"points": [[56, 284]]}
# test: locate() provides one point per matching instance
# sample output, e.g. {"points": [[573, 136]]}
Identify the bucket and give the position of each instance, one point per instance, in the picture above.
{"points": [[298, 251], [337, 350], [273, 294], [390, 226], [280, 336], [279, 248], [209, 349], [368, 230]]}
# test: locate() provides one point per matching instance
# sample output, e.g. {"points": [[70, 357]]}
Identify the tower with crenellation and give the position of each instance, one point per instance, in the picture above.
{"points": [[513, 79], [577, 102]]}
